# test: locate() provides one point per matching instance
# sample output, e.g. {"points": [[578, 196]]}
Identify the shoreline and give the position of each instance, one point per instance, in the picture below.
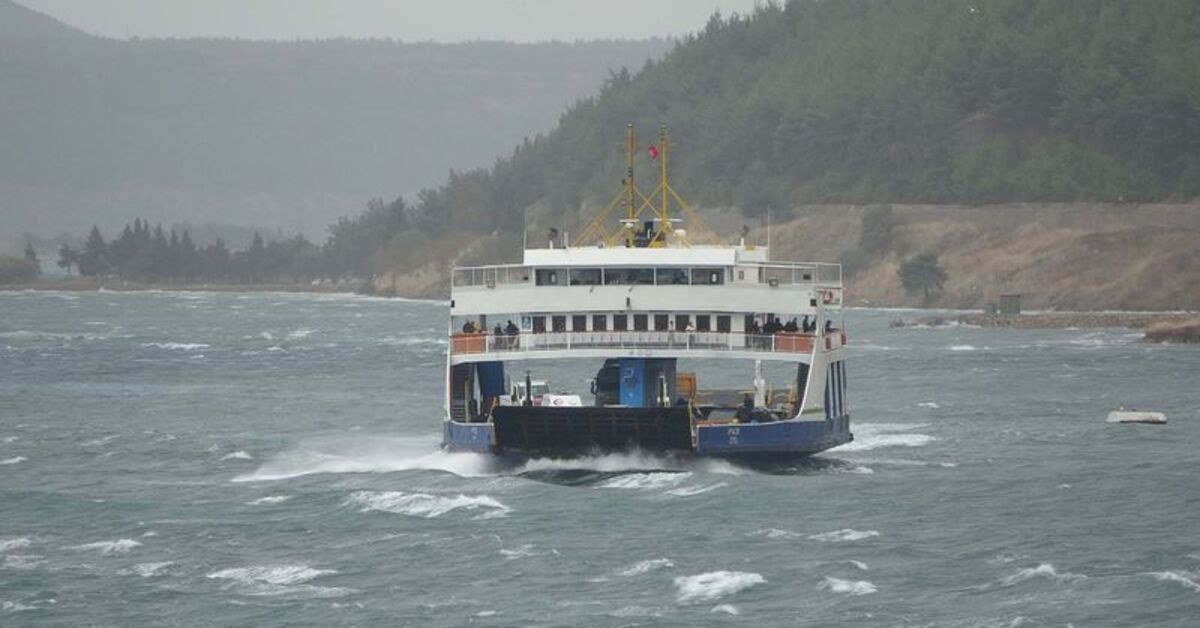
{"points": [[68, 285], [1057, 320]]}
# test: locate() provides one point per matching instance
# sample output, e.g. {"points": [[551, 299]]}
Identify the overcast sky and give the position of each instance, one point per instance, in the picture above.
{"points": [[409, 20]]}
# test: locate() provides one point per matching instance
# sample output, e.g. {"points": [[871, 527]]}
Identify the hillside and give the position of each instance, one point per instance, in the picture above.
{"points": [[858, 102], [288, 135]]}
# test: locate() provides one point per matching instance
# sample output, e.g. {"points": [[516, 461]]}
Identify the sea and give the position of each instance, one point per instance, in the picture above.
{"points": [[227, 459]]}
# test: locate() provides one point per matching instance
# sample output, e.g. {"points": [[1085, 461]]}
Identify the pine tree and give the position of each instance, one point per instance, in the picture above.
{"points": [[923, 274], [93, 261], [66, 258]]}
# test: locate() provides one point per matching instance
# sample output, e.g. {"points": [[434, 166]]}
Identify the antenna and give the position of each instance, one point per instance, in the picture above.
{"points": [[768, 230]]}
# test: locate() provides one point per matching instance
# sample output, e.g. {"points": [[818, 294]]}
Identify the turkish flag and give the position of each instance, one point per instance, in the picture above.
{"points": [[653, 151]]}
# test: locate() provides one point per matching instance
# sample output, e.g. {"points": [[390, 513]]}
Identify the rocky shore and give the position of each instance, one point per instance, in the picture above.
{"points": [[1172, 325]]}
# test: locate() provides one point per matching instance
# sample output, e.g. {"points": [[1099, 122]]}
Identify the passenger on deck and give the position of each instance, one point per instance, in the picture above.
{"points": [[511, 330], [791, 326], [746, 410], [468, 327], [828, 325], [804, 325]]}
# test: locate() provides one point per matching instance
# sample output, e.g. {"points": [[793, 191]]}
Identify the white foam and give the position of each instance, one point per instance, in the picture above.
{"points": [[11, 439], [964, 348], [108, 548], [688, 491], [646, 566], [100, 442], [849, 587], [928, 404], [16, 607], [1184, 578], [645, 481], [22, 561], [271, 499], [729, 609], [847, 534], [9, 545], [632, 461], [14, 460], [713, 585], [268, 580], [775, 533], [523, 551], [868, 442], [422, 504], [148, 570], [177, 346], [301, 333], [364, 453], [858, 564], [237, 455], [1044, 570]]}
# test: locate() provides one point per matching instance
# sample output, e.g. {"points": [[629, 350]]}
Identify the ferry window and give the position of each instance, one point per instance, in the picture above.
{"points": [[741, 275], [672, 276], [558, 323], [628, 276], [640, 322], [708, 276], [600, 322], [661, 322], [539, 324], [723, 324], [682, 321], [620, 322], [585, 276], [703, 322], [579, 322], [547, 276]]}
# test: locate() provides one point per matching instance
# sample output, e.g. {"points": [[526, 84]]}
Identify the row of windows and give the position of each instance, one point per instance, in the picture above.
{"points": [[628, 322], [629, 276]]}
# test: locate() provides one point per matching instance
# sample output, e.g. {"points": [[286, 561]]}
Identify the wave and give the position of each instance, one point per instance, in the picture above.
{"points": [[9, 545], [10, 439], [100, 442], [646, 566], [22, 562], [1184, 578], [149, 570], [1044, 570], [369, 454], [177, 346], [774, 533], [109, 548], [849, 587], [523, 551], [728, 609], [688, 491], [714, 585], [645, 481], [271, 499], [301, 333], [964, 348], [424, 505], [869, 442], [14, 460], [237, 455], [270, 580], [847, 534], [631, 461]]}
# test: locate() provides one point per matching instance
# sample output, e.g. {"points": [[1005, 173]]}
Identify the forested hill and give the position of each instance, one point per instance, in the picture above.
{"points": [[862, 101], [279, 134]]}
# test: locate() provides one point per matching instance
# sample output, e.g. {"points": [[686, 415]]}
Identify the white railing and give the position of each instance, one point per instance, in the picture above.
{"points": [[773, 273], [786, 342]]}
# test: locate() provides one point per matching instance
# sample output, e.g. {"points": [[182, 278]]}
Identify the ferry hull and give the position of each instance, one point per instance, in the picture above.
{"points": [[574, 432]]}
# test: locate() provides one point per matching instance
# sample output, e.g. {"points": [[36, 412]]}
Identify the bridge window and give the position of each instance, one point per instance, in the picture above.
{"points": [[539, 324], [681, 321], [558, 323], [672, 276], [640, 322], [661, 322], [579, 322], [585, 276], [628, 276], [599, 322], [703, 322], [547, 277], [708, 276], [723, 324], [620, 322]]}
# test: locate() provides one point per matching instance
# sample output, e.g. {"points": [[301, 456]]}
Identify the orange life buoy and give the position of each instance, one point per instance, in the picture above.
{"points": [[827, 297]]}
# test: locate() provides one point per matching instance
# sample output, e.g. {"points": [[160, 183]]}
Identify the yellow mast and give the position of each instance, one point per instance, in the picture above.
{"points": [[664, 216]]}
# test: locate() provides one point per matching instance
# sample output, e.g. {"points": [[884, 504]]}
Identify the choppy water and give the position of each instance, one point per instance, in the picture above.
{"points": [[271, 460]]}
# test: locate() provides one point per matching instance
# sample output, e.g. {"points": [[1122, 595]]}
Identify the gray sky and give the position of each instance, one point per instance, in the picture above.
{"points": [[409, 20]]}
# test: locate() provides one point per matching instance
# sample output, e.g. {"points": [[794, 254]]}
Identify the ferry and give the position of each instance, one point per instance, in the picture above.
{"points": [[649, 299]]}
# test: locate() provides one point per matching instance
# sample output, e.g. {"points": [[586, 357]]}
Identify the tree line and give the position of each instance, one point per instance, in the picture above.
{"points": [[142, 253]]}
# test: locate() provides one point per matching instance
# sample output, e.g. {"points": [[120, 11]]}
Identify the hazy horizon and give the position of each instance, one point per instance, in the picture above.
{"points": [[450, 21]]}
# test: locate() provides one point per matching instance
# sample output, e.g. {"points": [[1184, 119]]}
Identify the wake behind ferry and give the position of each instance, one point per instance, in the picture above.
{"points": [[641, 298]]}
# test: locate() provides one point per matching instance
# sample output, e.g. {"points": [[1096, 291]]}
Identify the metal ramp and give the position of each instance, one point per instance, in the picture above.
{"points": [[566, 431]]}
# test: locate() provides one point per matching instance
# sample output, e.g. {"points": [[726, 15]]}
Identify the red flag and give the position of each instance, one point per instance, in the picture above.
{"points": [[653, 151]]}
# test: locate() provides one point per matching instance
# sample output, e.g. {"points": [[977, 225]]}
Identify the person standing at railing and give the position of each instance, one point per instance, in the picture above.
{"points": [[511, 330]]}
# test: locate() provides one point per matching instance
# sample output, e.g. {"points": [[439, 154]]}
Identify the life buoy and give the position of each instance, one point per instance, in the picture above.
{"points": [[827, 296], [558, 401]]}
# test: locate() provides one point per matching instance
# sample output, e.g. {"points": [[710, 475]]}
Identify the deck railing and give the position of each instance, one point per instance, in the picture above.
{"points": [[773, 273], [784, 342]]}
